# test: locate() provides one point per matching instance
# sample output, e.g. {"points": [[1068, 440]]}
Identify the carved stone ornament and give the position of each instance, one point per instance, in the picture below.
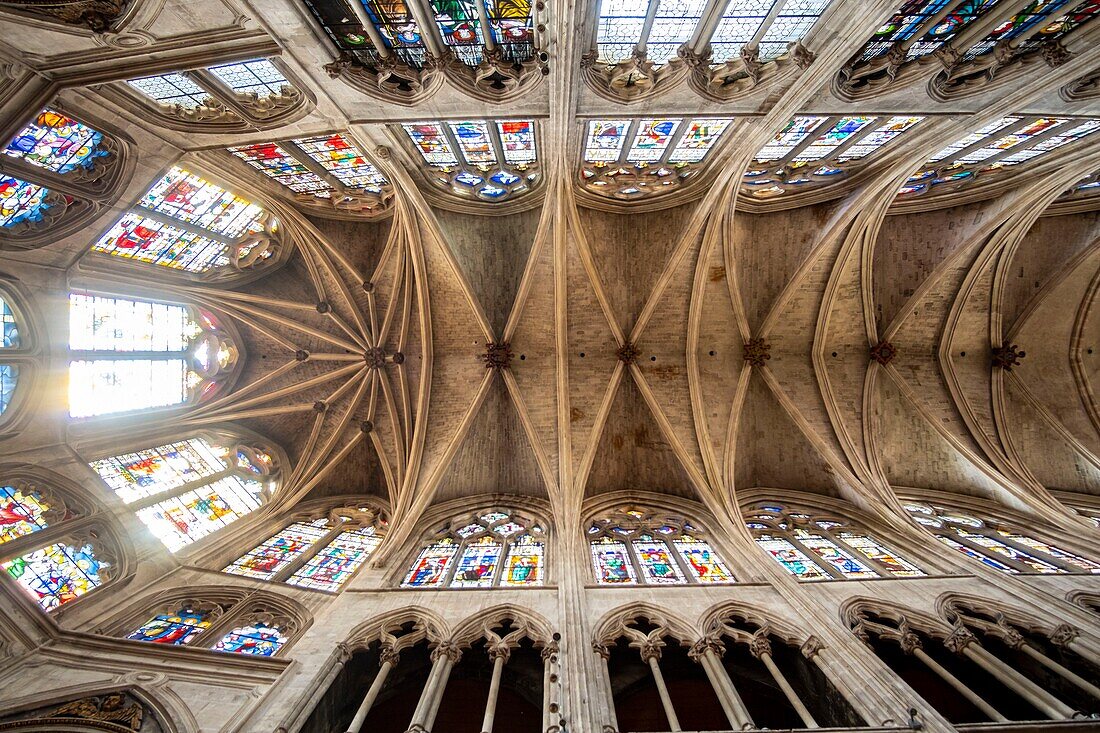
{"points": [[631, 79], [811, 647], [1054, 53], [628, 353], [110, 708], [909, 642], [1063, 635], [389, 654], [800, 55], [497, 356], [704, 645], [602, 649], [95, 15], [446, 649], [390, 79], [375, 357], [1007, 356], [760, 645], [757, 352], [883, 352], [649, 649], [959, 638]]}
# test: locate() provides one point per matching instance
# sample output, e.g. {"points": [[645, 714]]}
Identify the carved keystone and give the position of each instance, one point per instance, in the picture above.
{"points": [[497, 356], [757, 351], [1008, 356], [884, 352], [628, 353]]}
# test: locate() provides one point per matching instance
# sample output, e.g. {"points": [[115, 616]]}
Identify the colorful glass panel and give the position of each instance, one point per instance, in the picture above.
{"points": [[137, 238], [833, 138], [188, 198], [268, 559], [9, 328], [651, 139], [473, 141], [258, 76], [975, 555], [153, 471], [658, 567], [605, 140], [620, 28], [878, 137], [257, 639], [429, 139], [56, 574], [398, 28], [525, 564], [791, 558], [871, 549], [518, 140], [276, 163], [1035, 127], [179, 521], [949, 26], [116, 324], [703, 561], [793, 133], [21, 202], [1030, 561], [343, 159], [828, 551], [792, 23], [1067, 135], [972, 138], [9, 380], [698, 139], [106, 386], [1032, 14], [57, 143], [174, 629], [478, 564], [512, 27], [431, 566], [172, 88], [739, 25], [673, 25], [21, 513], [1055, 552], [902, 26], [611, 562], [460, 26], [337, 562]]}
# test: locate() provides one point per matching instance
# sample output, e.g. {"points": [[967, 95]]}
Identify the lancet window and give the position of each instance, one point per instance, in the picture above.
{"points": [[192, 487], [15, 351], [319, 553], [478, 159], [54, 551], [635, 545], [127, 355], [632, 159], [814, 546], [220, 620], [235, 96], [187, 224], [329, 171], [494, 548], [997, 545], [53, 172], [815, 150], [995, 150]]}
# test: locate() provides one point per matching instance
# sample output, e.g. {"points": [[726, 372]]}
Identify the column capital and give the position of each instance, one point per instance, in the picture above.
{"points": [[549, 650], [650, 649], [1063, 635], [959, 639], [811, 647], [760, 645], [602, 649], [390, 655], [500, 651], [707, 644], [446, 649]]}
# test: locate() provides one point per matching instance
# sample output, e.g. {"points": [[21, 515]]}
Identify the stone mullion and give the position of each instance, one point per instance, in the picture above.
{"points": [[986, 552], [982, 142], [980, 28], [315, 549], [486, 30], [429, 30], [219, 91], [628, 140], [765, 25], [878, 567], [186, 226], [494, 139], [1067, 674], [22, 170], [708, 24], [674, 556], [813, 556], [1027, 550], [870, 127], [681, 130], [797, 149], [149, 501], [651, 655], [314, 167], [932, 22], [761, 648], [452, 140], [647, 26], [380, 46]]}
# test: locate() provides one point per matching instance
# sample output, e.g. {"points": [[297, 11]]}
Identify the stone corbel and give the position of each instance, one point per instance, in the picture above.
{"points": [[392, 79], [495, 79], [741, 76], [632, 79], [265, 109]]}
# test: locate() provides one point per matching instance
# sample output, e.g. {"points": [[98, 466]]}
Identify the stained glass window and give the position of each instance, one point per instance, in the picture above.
{"points": [[1052, 551], [172, 88], [182, 519], [432, 143], [612, 563], [343, 159], [153, 471], [276, 163], [211, 220], [792, 23], [258, 76], [257, 639], [605, 140], [57, 143], [21, 202], [703, 562], [620, 28], [877, 138], [1032, 14], [9, 328], [176, 628], [56, 574], [22, 512], [9, 380], [791, 558], [793, 133], [525, 563], [658, 567], [833, 138], [478, 564], [828, 551], [398, 28], [949, 26], [698, 139], [518, 141], [651, 139], [268, 559], [739, 25], [460, 28], [871, 549], [338, 561], [512, 27], [673, 25], [902, 26], [431, 566]]}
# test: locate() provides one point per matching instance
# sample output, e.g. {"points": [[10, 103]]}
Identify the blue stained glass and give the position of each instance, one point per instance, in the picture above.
{"points": [[505, 178], [173, 629], [56, 574], [257, 639], [20, 201], [9, 329], [9, 379], [57, 143]]}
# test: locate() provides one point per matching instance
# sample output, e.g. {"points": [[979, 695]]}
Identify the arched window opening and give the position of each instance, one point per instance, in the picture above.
{"points": [[178, 626], [188, 224], [1043, 655], [953, 671], [997, 545], [128, 355], [819, 547], [762, 31], [663, 154], [775, 683], [238, 96], [115, 710], [483, 160], [188, 489], [57, 143], [495, 548], [812, 151], [260, 638], [329, 171], [14, 352], [635, 545], [54, 552], [994, 151], [321, 553]]}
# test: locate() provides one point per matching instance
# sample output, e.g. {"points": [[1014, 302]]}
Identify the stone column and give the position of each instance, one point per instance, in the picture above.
{"points": [[605, 654], [1013, 638], [549, 680], [761, 648], [708, 652], [388, 661], [651, 653], [499, 654], [444, 656], [911, 644]]}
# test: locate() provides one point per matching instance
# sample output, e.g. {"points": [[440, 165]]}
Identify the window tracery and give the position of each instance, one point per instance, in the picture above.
{"points": [[319, 553], [812, 151], [494, 548], [995, 544], [663, 155], [813, 546], [14, 353], [51, 549], [481, 160], [237, 96], [187, 224], [635, 545], [993, 152], [188, 489], [128, 355], [329, 172], [54, 173], [403, 50]]}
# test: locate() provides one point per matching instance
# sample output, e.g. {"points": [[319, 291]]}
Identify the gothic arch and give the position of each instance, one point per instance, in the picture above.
{"points": [[28, 357], [38, 715]]}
